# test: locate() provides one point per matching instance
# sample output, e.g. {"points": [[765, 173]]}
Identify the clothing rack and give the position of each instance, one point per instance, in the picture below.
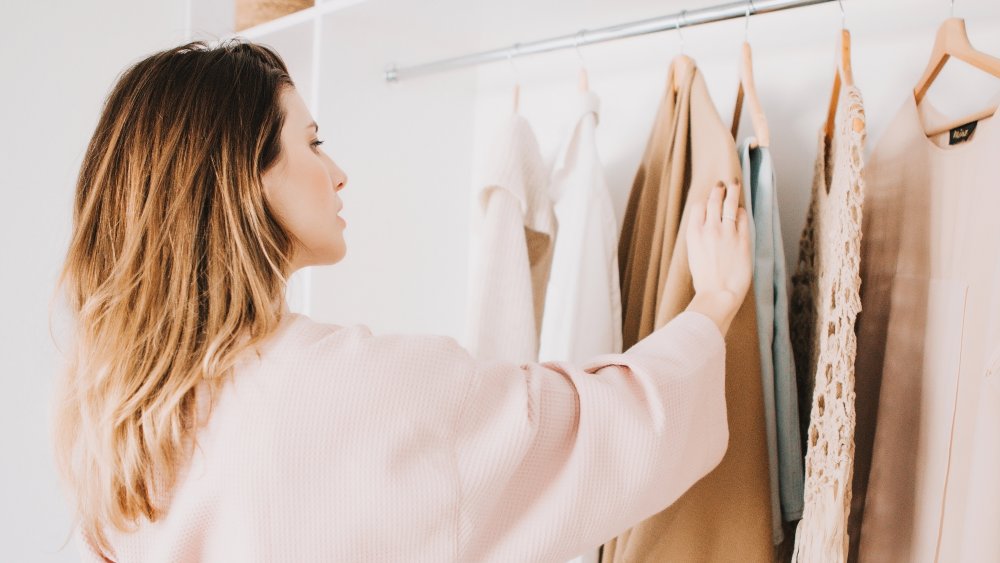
{"points": [[684, 18]]}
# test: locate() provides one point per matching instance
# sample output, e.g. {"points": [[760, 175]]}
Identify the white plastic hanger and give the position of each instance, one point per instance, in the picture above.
{"points": [[748, 88], [953, 41], [584, 83], [682, 62]]}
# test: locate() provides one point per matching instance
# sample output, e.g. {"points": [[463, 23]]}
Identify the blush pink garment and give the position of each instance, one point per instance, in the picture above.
{"points": [[931, 349], [341, 445]]}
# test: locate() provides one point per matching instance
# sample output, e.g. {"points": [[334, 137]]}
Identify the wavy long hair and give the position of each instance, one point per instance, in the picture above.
{"points": [[176, 264]]}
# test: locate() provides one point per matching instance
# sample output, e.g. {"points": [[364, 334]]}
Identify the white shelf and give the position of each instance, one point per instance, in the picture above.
{"points": [[311, 14]]}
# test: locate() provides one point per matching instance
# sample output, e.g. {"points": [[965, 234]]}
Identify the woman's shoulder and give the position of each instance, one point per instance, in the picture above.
{"points": [[313, 365], [357, 343]]}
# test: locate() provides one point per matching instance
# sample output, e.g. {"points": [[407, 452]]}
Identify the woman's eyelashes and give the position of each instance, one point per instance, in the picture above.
{"points": [[317, 143]]}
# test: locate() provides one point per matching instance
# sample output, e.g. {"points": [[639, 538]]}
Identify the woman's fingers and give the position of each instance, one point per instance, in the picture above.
{"points": [[731, 204], [697, 217], [719, 248], [743, 226], [723, 204], [713, 213]]}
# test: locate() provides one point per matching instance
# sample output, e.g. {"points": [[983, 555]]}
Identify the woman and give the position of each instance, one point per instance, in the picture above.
{"points": [[200, 419]]}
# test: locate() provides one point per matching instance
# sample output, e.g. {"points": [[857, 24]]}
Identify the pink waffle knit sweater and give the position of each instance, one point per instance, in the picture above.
{"points": [[342, 445]]}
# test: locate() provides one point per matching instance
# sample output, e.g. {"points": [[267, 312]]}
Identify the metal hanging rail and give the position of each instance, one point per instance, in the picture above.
{"points": [[684, 18]]}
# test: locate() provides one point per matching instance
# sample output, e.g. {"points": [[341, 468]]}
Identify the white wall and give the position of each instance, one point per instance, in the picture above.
{"points": [[409, 149], [59, 59]]}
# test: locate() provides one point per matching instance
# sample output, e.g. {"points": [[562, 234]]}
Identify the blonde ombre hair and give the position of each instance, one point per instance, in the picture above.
{"points": [[175, 265]]}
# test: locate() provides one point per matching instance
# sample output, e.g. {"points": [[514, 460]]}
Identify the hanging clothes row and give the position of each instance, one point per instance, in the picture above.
{"points": [[862, 390]]}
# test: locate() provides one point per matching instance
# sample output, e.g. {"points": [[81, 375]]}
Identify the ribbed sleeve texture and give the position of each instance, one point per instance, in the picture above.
{"points": [[340, 445]]}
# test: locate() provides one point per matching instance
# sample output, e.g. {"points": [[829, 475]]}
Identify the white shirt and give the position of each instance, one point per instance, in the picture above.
{"points": [[583, 314]]}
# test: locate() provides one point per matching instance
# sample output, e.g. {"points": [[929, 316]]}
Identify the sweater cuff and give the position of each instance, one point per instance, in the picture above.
{"points": [[691, 330]]}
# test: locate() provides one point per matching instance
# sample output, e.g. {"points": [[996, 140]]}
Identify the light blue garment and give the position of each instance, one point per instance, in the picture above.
{"points": [[777, 367]]}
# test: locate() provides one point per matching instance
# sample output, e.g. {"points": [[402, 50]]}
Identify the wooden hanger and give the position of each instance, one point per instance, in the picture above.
{"points": [[844, 77], [584, 83], [516, 91], [748, 88], [953, 41]]}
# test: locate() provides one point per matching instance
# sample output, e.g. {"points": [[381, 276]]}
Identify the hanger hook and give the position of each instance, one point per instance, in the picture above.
{"points": [[746, 25], [843, 14], [952, 8], [677, 24], [576, 45], [510, 59]]}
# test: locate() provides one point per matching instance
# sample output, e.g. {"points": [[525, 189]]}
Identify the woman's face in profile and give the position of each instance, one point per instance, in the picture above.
{"points": [[302, 188]]}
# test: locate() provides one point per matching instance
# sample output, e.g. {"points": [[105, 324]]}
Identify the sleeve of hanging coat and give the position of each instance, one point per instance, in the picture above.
{"points": [[557, 458]]}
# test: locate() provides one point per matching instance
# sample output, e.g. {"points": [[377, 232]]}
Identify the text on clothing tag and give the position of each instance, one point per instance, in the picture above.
{"points": [[961, 133]]}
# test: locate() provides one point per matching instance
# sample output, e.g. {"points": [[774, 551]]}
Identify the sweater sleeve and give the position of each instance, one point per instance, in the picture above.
{"points": [[557, 458]]}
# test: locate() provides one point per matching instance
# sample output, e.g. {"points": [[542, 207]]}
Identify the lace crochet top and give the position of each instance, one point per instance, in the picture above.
{"points": [[825, 304]]}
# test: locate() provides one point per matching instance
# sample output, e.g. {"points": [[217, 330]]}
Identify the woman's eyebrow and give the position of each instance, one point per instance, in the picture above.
{"points": [[313, 124]]}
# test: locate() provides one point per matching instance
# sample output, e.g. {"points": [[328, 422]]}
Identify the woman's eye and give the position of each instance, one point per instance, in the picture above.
{"points": [[317, 143]]}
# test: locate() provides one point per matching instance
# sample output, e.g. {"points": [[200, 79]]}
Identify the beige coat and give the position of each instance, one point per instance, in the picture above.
{"points": [[726, 515]]}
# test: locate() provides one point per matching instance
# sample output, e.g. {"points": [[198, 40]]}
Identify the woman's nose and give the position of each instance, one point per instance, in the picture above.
{"points": [[338, 176]]}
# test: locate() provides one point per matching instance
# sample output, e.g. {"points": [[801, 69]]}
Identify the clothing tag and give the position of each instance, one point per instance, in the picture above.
{"points": [[961, 133]]}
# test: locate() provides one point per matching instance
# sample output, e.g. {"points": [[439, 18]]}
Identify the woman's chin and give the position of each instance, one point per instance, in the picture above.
{"points": [[327, 254], [335, 255]]}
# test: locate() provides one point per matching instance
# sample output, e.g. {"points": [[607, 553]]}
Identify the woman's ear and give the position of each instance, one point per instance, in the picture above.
{"points": [[270, 180]]}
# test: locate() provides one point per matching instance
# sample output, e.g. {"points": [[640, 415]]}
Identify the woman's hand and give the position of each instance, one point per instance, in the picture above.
{"points": [[718, 244]]}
